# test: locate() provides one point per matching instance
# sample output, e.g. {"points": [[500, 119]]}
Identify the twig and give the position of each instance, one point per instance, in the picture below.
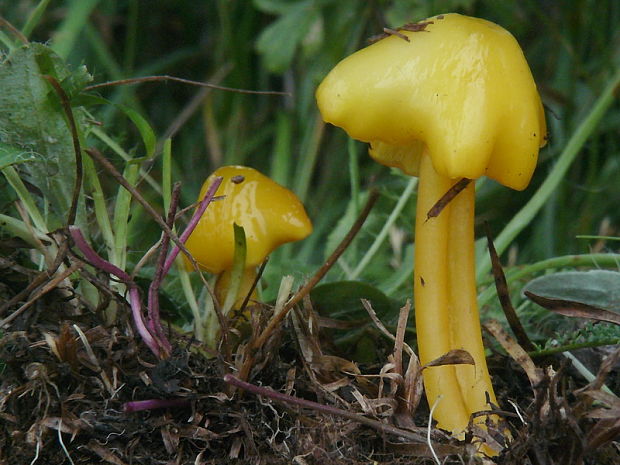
{"points": [[277, 319], [79, 170], [93, 359], [193, 222], [153, 293], [504, 297], [379, 324], [445, 199], [313, 281], [151, 404], [96, 154], [51, 285], [394, 32], [534, 374], [94, 258], [122, 82], [136, 310], [191, 225], [326, 409], [16, 32], [146, 258], [150, 339], [193, 105], [400, 337], [186, 113], [259, 275], [38, 280]]}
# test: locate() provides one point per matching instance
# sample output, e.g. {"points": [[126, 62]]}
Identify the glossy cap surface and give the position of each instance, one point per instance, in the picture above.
{"points": [[270, 214], [460, 85]]}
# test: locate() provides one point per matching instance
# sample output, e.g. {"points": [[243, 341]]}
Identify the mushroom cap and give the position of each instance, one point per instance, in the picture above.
{"points": [[269, 213], [459, 85]]}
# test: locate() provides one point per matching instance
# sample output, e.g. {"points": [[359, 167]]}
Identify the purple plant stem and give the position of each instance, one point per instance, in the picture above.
{"points": [[136, 311], [134, 296], [193, 222], [151, 404], [152, 333], [94, 258], [154, 321], [326, 409]]}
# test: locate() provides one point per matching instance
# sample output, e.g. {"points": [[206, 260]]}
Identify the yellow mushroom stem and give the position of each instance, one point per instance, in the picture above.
{"points": [[445, 302], [223, 288]]}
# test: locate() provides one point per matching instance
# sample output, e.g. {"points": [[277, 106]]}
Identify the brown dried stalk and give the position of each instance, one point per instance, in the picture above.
{"points": [[276, 321], [326, 409]]}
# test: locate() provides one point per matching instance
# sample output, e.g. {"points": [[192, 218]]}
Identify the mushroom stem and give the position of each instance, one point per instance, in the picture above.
{"points": [[431, 283], [445, 301], [224, 287], [474, 380]]}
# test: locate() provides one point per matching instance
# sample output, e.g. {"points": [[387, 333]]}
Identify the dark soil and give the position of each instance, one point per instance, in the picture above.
{"points": [[64, 396]]}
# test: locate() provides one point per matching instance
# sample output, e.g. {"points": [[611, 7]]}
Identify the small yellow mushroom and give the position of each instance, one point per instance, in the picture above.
{"points": [[269, 213], [447, 98]]}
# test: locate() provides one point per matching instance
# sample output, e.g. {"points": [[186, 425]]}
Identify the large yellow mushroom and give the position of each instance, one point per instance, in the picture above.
{"points": [[447, 98], [269, 213]]}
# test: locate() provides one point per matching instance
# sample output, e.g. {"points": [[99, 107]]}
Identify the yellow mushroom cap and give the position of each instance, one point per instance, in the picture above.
{"points": [[460, 85], [269, 213]]}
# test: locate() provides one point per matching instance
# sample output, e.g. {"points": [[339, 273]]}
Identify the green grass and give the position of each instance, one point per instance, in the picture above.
{"points": [[572, 47]]}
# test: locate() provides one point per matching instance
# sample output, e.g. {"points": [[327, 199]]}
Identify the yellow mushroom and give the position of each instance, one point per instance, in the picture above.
{"points": [[269, 213], [447, 98]]}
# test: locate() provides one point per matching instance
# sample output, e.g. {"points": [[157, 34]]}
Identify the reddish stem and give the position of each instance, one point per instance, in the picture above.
{"points": [[154, 322], [134, 295], [138, 318], [151, 404], [193, 222], [94, 258], [326, 409]]}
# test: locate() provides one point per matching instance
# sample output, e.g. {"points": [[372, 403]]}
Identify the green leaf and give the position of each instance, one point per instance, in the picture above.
{"points": [[278, 42], [341, 300], [343, 226], [274, 7], [149, 139], [12, 156], [146, 131], [32, 121], [72, 81], [598, 288], [237, 268], [75, 82], [356, 336]]}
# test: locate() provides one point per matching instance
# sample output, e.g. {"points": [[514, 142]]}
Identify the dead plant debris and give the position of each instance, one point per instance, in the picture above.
{"points": [[71, 386]]}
